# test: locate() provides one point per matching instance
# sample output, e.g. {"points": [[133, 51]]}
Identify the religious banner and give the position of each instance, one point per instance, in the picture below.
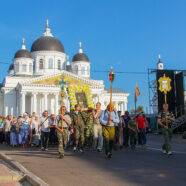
{"points": [[80, 94]]}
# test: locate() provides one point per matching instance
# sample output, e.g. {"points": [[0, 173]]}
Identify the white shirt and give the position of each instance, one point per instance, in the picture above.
{"points": [[44, 124], [7, 125], [34, 125]]}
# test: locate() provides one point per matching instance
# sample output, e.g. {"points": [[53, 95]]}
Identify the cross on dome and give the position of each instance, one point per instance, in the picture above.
{"points": [[47, 22], [47, 30], [80, 48], [23, 45]]}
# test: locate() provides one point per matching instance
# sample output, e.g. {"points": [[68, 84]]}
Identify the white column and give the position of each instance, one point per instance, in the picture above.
{"points": [[125, 103], [46, 101], [122, 110], [116, 105], [34, 106], [22, 103], [56, 103]]}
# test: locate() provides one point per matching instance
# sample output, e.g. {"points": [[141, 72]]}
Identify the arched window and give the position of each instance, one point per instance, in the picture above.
{"points": [[24, 66], [41, 64], [17, 67], [83, 70], [50, 63], [59, 64]]}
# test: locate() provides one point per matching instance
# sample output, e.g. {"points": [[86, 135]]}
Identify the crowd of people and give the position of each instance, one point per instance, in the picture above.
{"points": [[82, 129]]}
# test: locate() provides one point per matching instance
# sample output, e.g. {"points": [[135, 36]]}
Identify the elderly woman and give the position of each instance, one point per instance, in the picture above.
{"points": [[35, 132], [24, 129], [13, 132]]}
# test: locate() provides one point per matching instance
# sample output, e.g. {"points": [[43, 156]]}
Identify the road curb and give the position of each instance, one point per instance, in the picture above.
{"points": [[28, 176]]}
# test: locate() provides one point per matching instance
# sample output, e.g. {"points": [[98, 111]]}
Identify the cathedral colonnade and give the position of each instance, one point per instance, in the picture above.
{"points": [[38, 102]]}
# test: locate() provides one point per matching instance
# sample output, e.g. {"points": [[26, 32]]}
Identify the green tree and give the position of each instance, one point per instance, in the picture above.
{"points": [[138, 109]]}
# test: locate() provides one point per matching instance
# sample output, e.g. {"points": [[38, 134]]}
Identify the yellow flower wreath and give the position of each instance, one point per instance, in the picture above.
{"points": [[72, 89]]}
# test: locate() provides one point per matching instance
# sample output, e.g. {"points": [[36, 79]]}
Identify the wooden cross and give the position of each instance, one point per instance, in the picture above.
{"points": [[62, 83]]}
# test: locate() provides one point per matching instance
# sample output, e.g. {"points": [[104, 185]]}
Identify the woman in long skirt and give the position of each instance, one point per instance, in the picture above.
{"points": [[24, 130], [13, 132], [35, 133]]}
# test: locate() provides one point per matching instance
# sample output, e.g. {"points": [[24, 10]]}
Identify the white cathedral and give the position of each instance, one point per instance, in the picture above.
{"points": [[31, 82]]}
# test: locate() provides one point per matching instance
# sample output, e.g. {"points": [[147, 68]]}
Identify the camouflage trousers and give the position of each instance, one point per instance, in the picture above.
{"points": [[167, 134], [62, 139], [79, 136], [89, 136]]}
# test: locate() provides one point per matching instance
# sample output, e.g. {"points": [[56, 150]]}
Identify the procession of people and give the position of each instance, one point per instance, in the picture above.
{"points": [[83, 129]]}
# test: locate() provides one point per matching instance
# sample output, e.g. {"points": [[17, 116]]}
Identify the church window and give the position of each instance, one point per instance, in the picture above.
{"points": [[17, 67], [59, 65], [83, 70], [24, 66], [50, 63], [76, 69], [30, 67], [41, 64]]}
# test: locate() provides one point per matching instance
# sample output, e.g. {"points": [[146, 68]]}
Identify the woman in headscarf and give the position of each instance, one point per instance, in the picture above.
{"points": [[24, 129], [13, 132], [35, 133]]}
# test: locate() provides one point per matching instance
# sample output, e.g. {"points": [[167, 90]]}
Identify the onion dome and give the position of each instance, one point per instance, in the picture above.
{"points": [[80, 56], [11, 67], [23, 52], [47, 42]]}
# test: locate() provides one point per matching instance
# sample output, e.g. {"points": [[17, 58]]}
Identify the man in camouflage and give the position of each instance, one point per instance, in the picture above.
{"points": [[166, 130], [62, 135], [79, 127], [88, 118]]}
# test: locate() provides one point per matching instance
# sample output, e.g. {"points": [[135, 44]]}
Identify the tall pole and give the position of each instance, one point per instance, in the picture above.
{"points": [[61, 110], [111, 78], [135, 106], [166, 121], [110, 97]]}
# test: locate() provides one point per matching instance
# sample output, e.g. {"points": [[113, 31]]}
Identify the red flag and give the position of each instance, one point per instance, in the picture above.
{"points": [[137, 92]]}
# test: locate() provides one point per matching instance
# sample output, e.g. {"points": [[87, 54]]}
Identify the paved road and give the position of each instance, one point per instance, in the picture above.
{"points": [[140, 167]]}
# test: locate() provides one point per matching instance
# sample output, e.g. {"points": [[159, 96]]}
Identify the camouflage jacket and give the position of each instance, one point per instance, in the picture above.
{"points": [[77, 120], [161, 116], [88, 118]]}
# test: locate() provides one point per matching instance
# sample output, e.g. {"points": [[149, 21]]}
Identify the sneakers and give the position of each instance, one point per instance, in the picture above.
{"points": [[75, 149], [61, 156], [164, 151], [99, 150], [108, 156], [81, 150], [42, 148], [46, 149], [169, 153]]}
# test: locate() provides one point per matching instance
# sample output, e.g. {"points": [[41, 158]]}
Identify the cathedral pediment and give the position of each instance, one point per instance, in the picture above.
{"points": [[56, 79], [53, 79]]}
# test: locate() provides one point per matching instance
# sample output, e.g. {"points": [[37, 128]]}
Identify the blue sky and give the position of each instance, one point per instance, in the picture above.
{"points": [[127, 35]]}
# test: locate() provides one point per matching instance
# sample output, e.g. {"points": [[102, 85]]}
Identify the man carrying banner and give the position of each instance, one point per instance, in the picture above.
{"points": [[62, 134], [166, 129], [108, 121]]}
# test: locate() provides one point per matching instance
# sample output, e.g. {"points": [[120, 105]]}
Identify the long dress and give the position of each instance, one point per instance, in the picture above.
{"points": [[24, 131], [13, 134], [35, 133]]}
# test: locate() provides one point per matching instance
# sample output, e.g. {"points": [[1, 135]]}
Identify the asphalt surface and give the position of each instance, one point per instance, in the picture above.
{"points": [[143, 166]]}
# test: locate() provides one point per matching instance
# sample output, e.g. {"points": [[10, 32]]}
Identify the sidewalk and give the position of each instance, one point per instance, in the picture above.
{"points": [[8, 177]]}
